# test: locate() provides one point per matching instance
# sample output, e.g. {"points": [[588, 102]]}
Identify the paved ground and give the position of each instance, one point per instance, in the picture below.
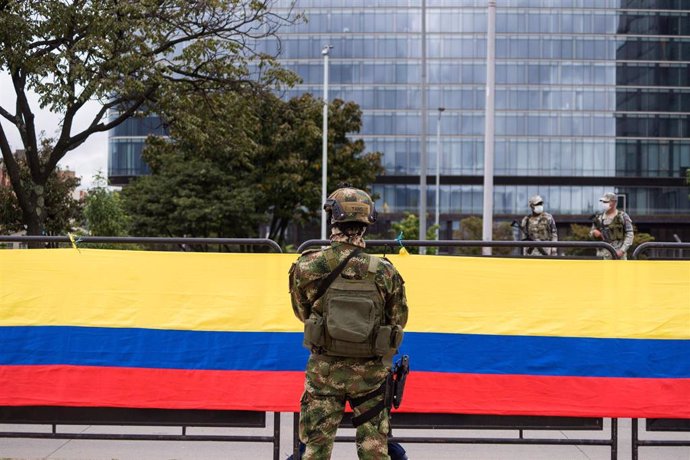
{"points": [[167, 450]]}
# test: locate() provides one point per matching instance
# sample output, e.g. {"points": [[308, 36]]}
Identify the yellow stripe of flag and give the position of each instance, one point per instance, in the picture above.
{"points": [[249, 292]]}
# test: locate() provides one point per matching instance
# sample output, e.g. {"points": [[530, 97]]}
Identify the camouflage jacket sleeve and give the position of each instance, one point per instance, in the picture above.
{"points": [[394, 288], [298, 300], [591, 230], [303, 285], [553, 228], [524, 227], [629, 234]]}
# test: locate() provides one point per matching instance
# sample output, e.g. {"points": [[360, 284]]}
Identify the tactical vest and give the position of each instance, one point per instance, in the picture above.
{"points": [[350, 319], [617, 226], [537, 227]]}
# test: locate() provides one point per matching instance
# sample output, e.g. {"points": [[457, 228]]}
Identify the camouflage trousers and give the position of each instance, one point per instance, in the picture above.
{"points": [[329, 383]]}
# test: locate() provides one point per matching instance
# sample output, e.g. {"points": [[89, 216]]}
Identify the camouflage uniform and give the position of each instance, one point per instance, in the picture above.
{"points": [[618, 230], [540, 227], [330, 380]]}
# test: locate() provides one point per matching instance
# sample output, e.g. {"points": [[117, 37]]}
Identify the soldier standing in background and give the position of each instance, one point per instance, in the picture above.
{"points": [[538, 226], [612, 226], [354, 309]]}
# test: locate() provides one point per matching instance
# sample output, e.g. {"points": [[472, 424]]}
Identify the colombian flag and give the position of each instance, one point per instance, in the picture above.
{"points": [[216, 331]]}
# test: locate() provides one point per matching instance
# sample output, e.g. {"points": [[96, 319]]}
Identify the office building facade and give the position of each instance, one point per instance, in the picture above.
{"points": [[591, 96]]}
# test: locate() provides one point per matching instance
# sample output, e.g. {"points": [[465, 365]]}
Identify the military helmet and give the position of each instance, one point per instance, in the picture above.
{"points": [[535, 200], [606, 197], [348, 204]]}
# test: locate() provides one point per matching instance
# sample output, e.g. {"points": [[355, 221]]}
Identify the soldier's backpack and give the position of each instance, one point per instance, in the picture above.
{"points": [[351, 319]]}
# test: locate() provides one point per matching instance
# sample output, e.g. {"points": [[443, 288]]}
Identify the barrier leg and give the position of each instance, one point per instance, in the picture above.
{"points": [[634, 439], [295, 436], [276, 435], [614, 439]]}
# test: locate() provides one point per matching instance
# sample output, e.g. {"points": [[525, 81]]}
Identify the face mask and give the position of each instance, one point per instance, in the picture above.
{"points": [[605, 206], [538, 209]]}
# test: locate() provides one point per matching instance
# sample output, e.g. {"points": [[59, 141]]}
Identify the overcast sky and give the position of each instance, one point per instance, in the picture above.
{"points": [[86, 160]]}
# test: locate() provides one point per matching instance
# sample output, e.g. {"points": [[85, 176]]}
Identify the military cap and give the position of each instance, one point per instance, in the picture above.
{"points": [[608, 197]]}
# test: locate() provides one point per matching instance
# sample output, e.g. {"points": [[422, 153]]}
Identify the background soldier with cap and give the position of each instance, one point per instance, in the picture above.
{"points": [[349, 359], [612, 226], [538, 226]]}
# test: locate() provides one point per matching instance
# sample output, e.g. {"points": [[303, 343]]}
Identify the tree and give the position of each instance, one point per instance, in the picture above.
{"points": [[203, 180], [237, 159], [131, 57], [104, 212], [61, 209], [291, 157], [409, 228], [471, 229]]}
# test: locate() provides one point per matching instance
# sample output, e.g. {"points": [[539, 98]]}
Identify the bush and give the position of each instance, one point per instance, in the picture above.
{"points": [[471, 229], [409, 226]]}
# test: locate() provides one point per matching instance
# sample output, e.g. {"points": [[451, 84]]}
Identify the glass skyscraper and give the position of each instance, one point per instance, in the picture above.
{"points": [[591, 96], [125, 144]]}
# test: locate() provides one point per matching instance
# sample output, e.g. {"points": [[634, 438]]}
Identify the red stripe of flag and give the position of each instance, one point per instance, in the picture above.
{"points": [[57, 385]]}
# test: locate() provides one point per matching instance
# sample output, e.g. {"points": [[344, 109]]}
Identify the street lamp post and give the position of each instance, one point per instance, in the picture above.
{"points": [[488, 208], [324, 156], [438, 172]]}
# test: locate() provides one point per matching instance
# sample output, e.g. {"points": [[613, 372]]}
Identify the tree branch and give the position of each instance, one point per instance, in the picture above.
{"points": [[13, 170], [96, 126], [24, 120], [5, 114]]}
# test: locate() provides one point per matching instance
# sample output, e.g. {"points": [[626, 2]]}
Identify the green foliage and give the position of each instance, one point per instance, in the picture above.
{"points": [[471, 229], [104, 212], [578, 233], [290, 157], [56, 202], [235, 160], [638, 239], [203, 181], [130, 56], [409, 226], [581, 233]]}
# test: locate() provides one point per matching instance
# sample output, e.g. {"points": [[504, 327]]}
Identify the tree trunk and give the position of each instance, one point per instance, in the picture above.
{"points": [[282, 228], [34, 211]]}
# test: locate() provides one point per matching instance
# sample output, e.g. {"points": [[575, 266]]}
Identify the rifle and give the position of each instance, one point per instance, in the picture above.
{"points": [[395, 382], [605, 234], [526, 237]]}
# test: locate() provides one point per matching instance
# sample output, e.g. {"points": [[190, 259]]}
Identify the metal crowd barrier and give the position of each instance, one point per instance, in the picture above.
{"points": [[658, 425], [144, 240], [680, 247], [184, 419], [473, 243], [402, 421], [55, 416]]}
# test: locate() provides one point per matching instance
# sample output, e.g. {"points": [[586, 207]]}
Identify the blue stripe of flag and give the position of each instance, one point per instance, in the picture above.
{"points": [[282, 351]]}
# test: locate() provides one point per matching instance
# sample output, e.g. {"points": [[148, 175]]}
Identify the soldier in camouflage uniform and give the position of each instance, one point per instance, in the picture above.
{"points": [[612, 226], [539, 226], [332, 380]]}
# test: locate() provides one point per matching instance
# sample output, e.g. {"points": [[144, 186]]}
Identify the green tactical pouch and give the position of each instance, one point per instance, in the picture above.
{"points": [[382, 344], [313, 332], [397, 338], [351, 319], [388, 338]]}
